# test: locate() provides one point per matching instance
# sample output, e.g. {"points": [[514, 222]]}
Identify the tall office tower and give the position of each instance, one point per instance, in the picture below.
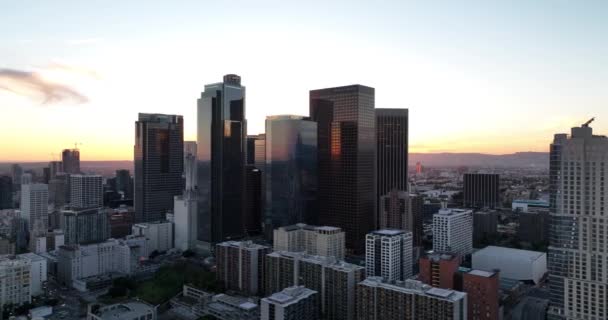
{"points": [[483, 294], [334, 280], [16, 172], [251, 149], [55, 167], [124, 183], [388, 254], [401, 210], [293, 303], [221, 144], [453, 231], [485, 224], [438, 269], [253, 200], [71, 160], [6, 192], [240, 266], [84, 226], [34, 203], [291, 171], [15, 281], [58, 190], [578, 277], [315, 240], [185, 212], [377, 299], [391, 152], [481, 190], [159, 162], [86, 191], [259, 155], [346, 158]]}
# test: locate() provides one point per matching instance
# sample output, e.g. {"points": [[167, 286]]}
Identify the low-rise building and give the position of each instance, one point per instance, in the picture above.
{"points": [[293, 303], [134, 310], [159, 234], [522, 265]]}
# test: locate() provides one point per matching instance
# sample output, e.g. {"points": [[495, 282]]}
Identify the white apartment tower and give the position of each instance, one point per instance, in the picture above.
{"points": [[34, 203], [578, 236], [453, 231], [389, 254], [314, 240], [15, 281], [86, 191]]}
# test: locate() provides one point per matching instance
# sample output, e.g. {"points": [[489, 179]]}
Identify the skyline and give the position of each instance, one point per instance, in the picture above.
{"points": [[472, 74]]}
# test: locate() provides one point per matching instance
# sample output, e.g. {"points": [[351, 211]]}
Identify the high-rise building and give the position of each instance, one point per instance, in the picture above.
{"points": [[70, 159], [124, 183], [334, 280], [483, 295], [481, 190], [185, 212], [293, 303], [377, 299], [86, 191], [438, 269], [401, 210], [59, 194], [578, 277], [34, 203], [453, 231], [159, 162], [240, 266], [54, 168], [315, 240], [251, 147], [6, 192], [16, 172], [388, 254], [221, 147], [485, 224], [84, 226], [15, 281], [253, 200], [346, 145], [391, 151], [291, 171]]}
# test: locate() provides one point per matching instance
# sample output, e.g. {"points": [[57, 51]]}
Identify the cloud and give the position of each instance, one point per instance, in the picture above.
{"points": [[33, 86]]}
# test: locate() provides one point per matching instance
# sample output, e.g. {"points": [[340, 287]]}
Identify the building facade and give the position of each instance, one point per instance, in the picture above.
{"points": [[481, 190], [6, 192], [346, 133], [240, 266], [314, 240], [159, 156], [453, 231], [293, 303], [438, 269], [86, 191], [401, 210], [388, 254], [159, 235], [70, 159], [15, 281], [221, 148], [482, 289], [85, 226], [34, 203]]}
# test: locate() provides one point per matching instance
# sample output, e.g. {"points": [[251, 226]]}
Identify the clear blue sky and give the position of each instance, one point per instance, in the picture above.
{"points": [[487, 76]]}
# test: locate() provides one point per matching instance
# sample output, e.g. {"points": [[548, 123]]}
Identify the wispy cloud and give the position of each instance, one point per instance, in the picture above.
{"points": [[86, 41], [32, 85]]}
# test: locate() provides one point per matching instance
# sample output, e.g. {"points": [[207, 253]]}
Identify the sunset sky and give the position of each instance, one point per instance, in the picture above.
{"points": [[477, 76]]}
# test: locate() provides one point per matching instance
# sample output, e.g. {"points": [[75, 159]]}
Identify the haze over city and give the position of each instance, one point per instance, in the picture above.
{"points": [[477, 76]]}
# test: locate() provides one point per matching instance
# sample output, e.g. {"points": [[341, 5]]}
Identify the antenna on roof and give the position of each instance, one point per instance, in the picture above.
{"points": [[586, 124]]}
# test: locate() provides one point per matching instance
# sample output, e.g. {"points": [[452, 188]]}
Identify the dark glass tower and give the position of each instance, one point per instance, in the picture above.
{"points": [[6, 192], [71, 160], [391, 151], [481, 190], [253, 201], [159, 162], [346, 150], [124, 184], [221, 143], [291, 172]]}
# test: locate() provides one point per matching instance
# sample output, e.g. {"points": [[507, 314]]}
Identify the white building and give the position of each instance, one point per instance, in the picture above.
{"points": [[314, 240], [86, 191], [135, 310], [159, 235], [38, 272], [34, 203], [389, 254], [293, 303], [185, 206], [523, 265], [453, 231], [15, 281], [578, 207]]}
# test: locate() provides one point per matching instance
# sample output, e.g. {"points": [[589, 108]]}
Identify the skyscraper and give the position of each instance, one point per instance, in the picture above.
{"points": [[391, 151], [346, 150], [71, 160], [388, 254], [578, 277], [55, 167], [6, 192], [124, 183], [221, 144], [86, 191], [253, 200], [159, 162], [291, 171], [401, 210], [16, 172], [251, 150], [34, 204], [481, 190]]}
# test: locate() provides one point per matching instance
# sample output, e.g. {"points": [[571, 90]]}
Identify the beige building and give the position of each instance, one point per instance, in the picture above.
{"points": [[15, 280], [240, 265], [313, 240]]}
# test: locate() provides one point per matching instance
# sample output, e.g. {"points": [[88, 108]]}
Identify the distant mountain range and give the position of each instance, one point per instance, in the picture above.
{"points": [[514, 160]]}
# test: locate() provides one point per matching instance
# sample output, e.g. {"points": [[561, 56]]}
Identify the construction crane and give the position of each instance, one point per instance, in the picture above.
{"points": [[53, 156], [76, 144], [586, 124]]}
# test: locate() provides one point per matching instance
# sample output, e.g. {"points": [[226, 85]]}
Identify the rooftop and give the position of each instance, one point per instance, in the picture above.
{"points": [[481, 273], [453, 212], [388, 232], [290, 295], [129, 310], [415, 287], [493, 251]]}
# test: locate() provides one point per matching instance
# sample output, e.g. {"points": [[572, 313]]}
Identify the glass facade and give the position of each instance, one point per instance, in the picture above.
{"points": [[346, 136], [221, 152], [290, 172]]}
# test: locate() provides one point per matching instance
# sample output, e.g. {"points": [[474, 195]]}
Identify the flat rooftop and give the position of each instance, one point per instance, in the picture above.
{"points": [[494, 251], [481, 273], [388, 232], [129, 310]]}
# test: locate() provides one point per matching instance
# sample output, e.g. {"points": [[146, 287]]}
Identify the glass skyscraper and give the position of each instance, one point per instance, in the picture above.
{"points": [[159, 162], [290, 171], [346, 144], [221, 150]]}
